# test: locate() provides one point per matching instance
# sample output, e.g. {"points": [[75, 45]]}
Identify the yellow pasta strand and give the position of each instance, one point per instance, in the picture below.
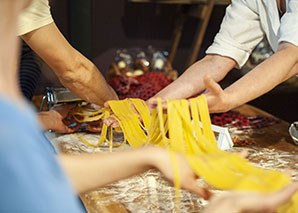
{"points": [[87, 115], [177, 178], [84, 140], [186, 128]]}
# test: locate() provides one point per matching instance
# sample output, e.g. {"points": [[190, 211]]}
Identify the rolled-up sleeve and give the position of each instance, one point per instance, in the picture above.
{"points": [[37, 15], [289, 24], [240, 32]]}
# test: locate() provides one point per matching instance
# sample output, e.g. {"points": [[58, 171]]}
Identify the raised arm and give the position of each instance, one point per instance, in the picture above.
{"points": [[74, 70]]}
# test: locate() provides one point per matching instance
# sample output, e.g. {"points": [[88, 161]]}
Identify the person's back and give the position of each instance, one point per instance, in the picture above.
{"points": [[31, 179]]}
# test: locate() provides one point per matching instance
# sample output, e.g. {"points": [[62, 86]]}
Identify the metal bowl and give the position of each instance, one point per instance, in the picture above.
{"points": [[293, 130]]}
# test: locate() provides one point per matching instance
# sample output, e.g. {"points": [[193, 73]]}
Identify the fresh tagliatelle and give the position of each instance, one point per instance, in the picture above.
{"points": [[186, 128]]}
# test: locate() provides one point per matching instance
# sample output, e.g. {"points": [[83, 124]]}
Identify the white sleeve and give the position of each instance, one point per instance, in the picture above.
{"points": [[289, 24], [35, 16], [240, 32]]}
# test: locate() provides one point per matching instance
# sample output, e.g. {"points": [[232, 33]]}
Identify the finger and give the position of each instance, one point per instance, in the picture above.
{"points": [[283, 195], [201, 192], [66, 130], [243, 153], [164, 104], [110, 120], [106, 105], [133, 108], [152, 101], [115, 124], [211, 85]]}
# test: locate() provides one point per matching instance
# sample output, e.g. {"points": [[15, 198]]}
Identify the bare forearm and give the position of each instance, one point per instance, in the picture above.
{"points": [[191, 82], [88, 172], [74, 70], [278, 68], [87, 82]]}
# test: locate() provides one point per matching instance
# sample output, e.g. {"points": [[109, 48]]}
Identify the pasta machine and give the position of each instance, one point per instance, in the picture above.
{"points": [[55, 96]]}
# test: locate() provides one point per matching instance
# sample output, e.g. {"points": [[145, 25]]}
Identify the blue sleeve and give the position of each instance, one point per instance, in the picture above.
{"points": [[31, 179]]}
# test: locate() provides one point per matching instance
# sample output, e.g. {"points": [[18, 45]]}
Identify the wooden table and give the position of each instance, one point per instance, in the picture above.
{"points": [[273, 137], [273, 149]]}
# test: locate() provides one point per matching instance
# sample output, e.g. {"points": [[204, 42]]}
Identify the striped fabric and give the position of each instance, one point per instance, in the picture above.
{"points": [[29, 72]]}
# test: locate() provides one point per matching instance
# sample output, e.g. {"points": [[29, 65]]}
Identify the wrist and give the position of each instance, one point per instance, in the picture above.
{"points": [[156, 156], [231, 100], [228, 101]]}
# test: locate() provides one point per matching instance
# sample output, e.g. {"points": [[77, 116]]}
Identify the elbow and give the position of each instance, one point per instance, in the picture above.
{"points": [[291, 53], [223, 63]]}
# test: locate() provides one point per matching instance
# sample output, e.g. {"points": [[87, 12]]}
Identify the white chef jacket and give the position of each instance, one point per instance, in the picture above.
{"points": [[245, 24], [34, 17]]}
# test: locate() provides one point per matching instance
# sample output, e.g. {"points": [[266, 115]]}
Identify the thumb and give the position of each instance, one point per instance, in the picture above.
{"points": [[152, 102], [193, 187], [211, 85]]}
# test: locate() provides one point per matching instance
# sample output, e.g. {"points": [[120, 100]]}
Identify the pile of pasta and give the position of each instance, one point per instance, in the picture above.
{"points": [[185, 128]]}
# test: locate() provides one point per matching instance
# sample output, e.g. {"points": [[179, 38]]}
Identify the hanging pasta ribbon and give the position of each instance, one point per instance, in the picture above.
{"points": [[83, 115], [186, 128]]}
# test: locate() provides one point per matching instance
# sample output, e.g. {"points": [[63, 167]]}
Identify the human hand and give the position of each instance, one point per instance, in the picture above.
{"points": [[94, 126], [217, 99], [240, 202], [110, 121], [152, 103], [55, 119], [163, 163]]}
